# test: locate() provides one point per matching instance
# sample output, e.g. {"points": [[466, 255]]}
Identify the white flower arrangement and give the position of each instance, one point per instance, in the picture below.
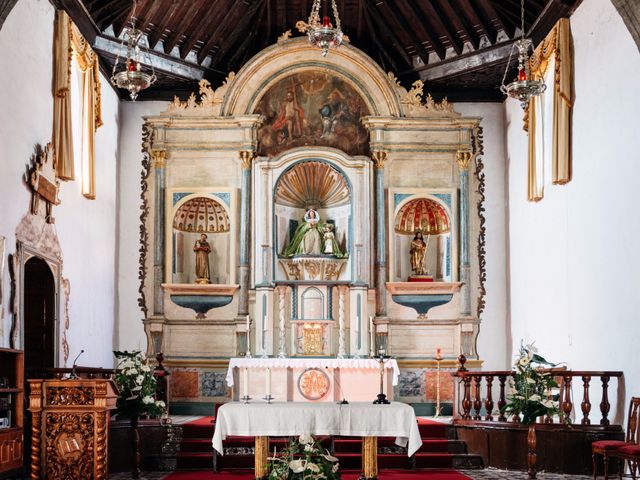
{"points": [[304, 458], [137, 386]]}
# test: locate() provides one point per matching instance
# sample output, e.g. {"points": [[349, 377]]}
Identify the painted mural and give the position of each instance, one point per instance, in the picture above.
{"points": [[312, 109]]}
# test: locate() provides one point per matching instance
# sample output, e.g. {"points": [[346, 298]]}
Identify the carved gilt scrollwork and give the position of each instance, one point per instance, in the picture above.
{"points": [[70, 396], [379, 158], [68, 436], [478, 150], [147, 138]]}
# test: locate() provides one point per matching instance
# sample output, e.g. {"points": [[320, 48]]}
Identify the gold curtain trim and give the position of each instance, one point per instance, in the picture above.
{"points": [[87, 59], [62, 129], [557, 45]]}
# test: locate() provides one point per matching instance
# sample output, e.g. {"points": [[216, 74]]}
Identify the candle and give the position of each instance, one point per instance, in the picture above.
{"points": [[438, 353], [245, 382], [268, 382]]}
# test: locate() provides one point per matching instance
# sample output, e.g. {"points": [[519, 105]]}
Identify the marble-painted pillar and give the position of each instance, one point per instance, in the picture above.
{"points": [[158, 157], [379, 158], [246, 158], [463, 159]]}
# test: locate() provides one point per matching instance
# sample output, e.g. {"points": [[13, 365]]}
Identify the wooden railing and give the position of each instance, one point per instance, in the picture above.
{"points": [[476, 402]]}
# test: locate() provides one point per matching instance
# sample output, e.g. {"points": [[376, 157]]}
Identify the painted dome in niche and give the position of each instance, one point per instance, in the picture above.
{"points": [[312, 184], [422, 214], [201, 215]]}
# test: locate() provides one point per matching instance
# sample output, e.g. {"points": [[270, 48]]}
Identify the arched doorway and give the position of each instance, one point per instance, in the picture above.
{"points": [[39, 300]]}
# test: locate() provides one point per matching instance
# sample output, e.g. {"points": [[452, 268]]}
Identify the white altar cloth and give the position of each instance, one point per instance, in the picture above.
{"points": [[284, 419], [342, 363]]}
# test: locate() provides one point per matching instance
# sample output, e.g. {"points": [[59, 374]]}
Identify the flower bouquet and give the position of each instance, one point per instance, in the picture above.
{"points": [[137, 386], [304, 458], [531, 387]]}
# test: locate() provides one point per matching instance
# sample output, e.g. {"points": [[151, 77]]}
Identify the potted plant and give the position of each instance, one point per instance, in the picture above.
{"points": [[137, 387], [304, 458], [531, 395]]}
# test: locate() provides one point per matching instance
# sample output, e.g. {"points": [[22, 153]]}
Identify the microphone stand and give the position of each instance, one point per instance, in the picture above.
{"points": [[344, 400], [73, 375], [382, 398]]}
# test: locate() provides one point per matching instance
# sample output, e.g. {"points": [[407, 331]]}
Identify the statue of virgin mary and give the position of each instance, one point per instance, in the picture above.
{"points": [[307, 239]]}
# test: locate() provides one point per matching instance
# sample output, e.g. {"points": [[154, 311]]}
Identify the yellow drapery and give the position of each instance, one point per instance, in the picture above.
{"points": [[62, 131], [556, 46], [91, 117]]}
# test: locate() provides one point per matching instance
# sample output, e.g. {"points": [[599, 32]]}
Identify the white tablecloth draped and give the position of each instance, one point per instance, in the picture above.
{"points": [[295, 418], [353, 363]]}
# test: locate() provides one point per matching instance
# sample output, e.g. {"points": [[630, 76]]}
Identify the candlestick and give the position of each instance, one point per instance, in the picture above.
{"points": [[438, 353], [268, 382]]}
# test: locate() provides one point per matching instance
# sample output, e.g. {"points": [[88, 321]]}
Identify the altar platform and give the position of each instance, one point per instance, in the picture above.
{"points": [[311, 379]]}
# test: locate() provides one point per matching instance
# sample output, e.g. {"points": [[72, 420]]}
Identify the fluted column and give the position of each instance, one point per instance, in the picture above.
{"points": [[246, 158], [158, 157], [379, 158], [463, 159]]}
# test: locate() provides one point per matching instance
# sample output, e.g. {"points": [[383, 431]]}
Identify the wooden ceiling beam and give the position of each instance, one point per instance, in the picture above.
{"points": [[234, 12], [387, 32], [487, 21], [176, 34], [553, 11], [492, 15], [241, 50], [206, 22], [409, 11], [148, 11], [435, 15], [158, 30], [81, 17], [381, 48], [473, 15], [467, 29], [107, 8], [123, 13], [401, 21], [228, 42]]}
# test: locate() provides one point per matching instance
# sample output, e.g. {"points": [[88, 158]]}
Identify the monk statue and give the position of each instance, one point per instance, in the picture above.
{"points": [[417, 253], [202, 249]]}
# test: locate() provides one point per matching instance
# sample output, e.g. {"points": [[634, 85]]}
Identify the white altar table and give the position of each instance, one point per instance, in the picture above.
{"points": [[311, 379], [359, 419]]}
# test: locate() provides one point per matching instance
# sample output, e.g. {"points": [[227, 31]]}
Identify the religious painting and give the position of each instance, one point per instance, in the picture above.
{"points": [[312, 109]]}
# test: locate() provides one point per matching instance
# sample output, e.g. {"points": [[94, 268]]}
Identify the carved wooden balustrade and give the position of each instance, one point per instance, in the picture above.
{"points": [[478, 397]]}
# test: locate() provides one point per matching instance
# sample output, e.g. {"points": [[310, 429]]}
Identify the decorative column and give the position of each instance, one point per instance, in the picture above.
{"points": [[463, 159], [379, 158], [158, 158], [281, 290], [246, 157], [342, 353]]}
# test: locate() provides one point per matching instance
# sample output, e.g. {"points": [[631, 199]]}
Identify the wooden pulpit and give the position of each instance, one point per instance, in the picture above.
{"points": [[70, 427]]}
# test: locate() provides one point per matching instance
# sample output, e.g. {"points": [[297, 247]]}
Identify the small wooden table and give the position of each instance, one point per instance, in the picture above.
{"points": [[360, 419]]}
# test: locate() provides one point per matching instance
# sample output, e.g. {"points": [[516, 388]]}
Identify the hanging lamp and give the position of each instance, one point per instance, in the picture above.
{"points": [[323, 34], [133, 78], [524, 87]]}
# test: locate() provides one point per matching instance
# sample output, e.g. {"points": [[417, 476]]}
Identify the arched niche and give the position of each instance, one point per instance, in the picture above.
{"points": [[295, 56], [432, 216], [193, 216]]}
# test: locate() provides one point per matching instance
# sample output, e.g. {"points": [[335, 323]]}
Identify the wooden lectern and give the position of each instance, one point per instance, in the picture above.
{"points": [[70, 427]]}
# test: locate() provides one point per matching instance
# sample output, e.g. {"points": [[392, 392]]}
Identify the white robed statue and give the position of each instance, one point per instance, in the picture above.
{"points": [[310, 238]]}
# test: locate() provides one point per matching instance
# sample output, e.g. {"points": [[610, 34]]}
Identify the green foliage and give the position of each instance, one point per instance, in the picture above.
{"points": [[137, 386], [304, 458], [531, 387]]}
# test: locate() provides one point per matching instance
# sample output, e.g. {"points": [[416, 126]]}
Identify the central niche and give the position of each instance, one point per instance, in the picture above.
{"points": [[312, 108], [313, 218]]}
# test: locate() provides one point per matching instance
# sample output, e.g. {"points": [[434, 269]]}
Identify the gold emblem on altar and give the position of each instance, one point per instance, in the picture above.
{"points": [[313, 384], [312, 339]]}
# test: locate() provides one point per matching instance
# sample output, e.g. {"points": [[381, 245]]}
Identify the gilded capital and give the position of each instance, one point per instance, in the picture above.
{"points": [[245, 157], [379, 158], [159, 157], [463, 158]]}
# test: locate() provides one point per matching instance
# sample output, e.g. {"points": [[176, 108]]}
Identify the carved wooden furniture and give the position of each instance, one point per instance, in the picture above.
{"points": [[70, 427], [610, 448], [11, 409], [631, 454]]}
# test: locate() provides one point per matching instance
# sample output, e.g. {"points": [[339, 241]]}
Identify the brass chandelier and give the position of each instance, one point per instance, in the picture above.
{"points": [[524, 87], [323, 34], [133, 78]]}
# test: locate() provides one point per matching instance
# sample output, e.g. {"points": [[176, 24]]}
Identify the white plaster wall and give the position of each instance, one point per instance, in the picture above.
{"points": [[574, 255], [129, 330], [86, 228], [492, 339]]}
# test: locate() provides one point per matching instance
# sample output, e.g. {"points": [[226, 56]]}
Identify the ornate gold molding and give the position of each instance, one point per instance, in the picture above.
{"points": [[463, 159], [379, 158], [246, 156], [159, 157]]}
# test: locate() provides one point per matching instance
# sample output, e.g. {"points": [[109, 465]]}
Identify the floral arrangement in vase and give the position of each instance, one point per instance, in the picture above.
{"points": [[137, 386], [531, 387], [304, 458]]}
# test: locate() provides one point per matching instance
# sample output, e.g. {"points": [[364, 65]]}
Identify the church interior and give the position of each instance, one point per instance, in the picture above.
{"points": [[319, 239]]}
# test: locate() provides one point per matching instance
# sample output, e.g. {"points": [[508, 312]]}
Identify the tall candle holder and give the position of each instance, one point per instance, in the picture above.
{"points": [[438, 358], [382, 398], [248, 353]]}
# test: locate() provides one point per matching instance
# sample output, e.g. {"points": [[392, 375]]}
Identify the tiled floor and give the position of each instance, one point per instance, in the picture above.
{"points": [[488, 474]]}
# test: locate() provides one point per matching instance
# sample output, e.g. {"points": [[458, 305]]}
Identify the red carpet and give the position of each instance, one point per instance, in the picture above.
{"points": [[202, 422], [383, 475]]}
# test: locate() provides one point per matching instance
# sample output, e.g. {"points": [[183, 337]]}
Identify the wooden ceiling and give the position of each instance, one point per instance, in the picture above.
{"points": [[458, 47]]}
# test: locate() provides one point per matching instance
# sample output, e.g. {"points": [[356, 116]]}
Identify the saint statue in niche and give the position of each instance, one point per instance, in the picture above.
{"points": [[202, 249], [310, 238], [417, 252]]}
